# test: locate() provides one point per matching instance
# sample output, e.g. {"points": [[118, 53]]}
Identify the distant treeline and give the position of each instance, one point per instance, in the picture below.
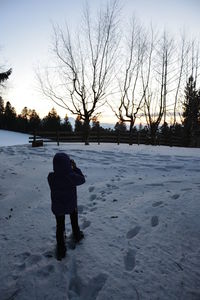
{"points": [[29, 121]]}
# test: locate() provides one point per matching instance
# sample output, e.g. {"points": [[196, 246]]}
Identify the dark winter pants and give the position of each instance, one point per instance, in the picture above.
{"points": [[60, 228]]}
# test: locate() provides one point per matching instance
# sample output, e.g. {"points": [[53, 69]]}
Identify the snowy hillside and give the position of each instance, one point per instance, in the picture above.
{"points": [[139, 210], [9, 138]]}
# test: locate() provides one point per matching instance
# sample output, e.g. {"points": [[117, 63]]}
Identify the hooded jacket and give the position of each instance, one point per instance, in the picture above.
{"points": [[63, 182]]}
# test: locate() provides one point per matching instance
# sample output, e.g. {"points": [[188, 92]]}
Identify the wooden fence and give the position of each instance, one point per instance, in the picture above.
{"points": [[138, 138]]}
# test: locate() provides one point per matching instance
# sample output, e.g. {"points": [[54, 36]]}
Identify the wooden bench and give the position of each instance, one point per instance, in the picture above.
{"points": [[37, 143]]}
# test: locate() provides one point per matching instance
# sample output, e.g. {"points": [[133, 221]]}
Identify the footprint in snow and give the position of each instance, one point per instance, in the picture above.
{"points": [[93, 209], [20, 267], [91, 189], [90, 291], [34, 259], [94, 286], [129, 260], [158, 203], [93, 197], [24, 255], [154, 221], [133, 232], [45, 271], [175, 196], [48, 254], [85, 224], [79, 290], [81, 209], [155, 184]]}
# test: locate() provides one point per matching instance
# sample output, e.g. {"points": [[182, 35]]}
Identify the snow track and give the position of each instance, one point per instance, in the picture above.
{"points": [[139, 210]]}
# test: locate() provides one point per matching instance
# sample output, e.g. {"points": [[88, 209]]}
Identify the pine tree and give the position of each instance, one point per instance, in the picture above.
{"points": [[51, 121], [10, 117], [1, 105], [191, 112], [34, 120], [4, 76], [22, 120], [95, 124], [165, 133], [66, 126], [78, 124], [120, 127], [1, 112]]}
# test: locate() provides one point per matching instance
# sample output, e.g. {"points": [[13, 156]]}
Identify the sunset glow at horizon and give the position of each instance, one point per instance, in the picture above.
{"points": [[26, 36]]}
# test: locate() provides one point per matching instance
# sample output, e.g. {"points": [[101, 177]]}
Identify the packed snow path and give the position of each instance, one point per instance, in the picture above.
{"points": [[139, 210]]}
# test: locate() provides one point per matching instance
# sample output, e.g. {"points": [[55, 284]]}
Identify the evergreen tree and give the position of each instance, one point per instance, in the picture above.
{"points": [[66, 126], [78, 124], [4, 76], [120, 127], [95, 124], [10, 117], [25, 113], [1, 112], [34, 120], [22, 120], [191, 112], [51, 121], [177, 130], [165, 132], [1, 105]]}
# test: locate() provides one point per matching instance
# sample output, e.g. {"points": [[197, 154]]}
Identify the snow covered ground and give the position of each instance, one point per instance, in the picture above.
{"points": [[139, 210], [10, 138]]}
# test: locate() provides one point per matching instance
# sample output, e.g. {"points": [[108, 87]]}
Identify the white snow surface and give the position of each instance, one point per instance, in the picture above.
{"points": [[139, 210], [10, 138]]}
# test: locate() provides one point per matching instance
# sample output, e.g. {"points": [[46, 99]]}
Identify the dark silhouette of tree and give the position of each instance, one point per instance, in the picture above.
{"points": [[1, 105], [78, 125], [66, 126], [34, 120], [120, 127], [133, 82], [10, 117], [4, 76], [95, 124], [177, 130], [165, 132], [191, 112], [51, 121], [22, 120], [1, 112], [85, 65]]}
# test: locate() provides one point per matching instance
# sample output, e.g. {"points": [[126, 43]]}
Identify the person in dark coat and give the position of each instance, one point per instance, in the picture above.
{"points": [[63, 182]]}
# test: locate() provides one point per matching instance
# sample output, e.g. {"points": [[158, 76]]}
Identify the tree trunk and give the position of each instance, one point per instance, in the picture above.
{"points": [[153, 134], [131, 133], [86, 131]]}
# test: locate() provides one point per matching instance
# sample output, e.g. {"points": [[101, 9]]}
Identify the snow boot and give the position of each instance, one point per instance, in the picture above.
{"points": [[78, 236], [60, 252]]}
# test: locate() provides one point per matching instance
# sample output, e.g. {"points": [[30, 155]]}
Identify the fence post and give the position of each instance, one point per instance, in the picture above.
{"points": [[118, 137], [57, 138], [171, 140], [138, 138], [98, 136], [130, 138], [34, 136]]}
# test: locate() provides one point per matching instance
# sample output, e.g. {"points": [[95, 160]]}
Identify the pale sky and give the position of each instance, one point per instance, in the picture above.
{"points": [[25, 37]]}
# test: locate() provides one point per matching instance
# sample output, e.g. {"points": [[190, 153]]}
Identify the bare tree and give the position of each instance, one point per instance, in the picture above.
{"points": [[137, 58], [84, 65], [188, 65], [179, 70], [155, 104]]}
